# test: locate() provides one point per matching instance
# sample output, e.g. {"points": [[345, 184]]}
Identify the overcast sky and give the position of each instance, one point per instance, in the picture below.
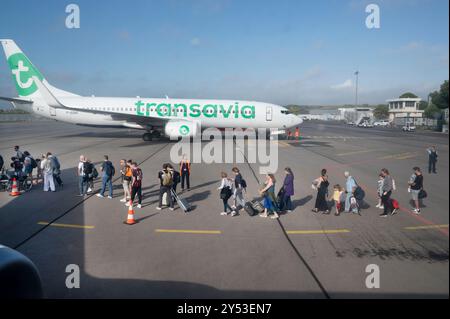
{"points": [[284, 52]]}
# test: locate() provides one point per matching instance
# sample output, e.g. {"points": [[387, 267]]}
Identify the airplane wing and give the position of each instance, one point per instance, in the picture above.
{"points": [[15, 100]]}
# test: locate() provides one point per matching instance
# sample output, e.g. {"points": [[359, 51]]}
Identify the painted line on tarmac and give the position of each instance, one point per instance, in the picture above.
{"points": [[66, 225], [357, 152], [284, 144], [81, 202], [314, 232], [189, 231], [426, 227]]}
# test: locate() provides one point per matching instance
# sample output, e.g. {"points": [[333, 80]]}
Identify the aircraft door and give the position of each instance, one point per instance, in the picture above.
{"points": [[269, 113]]}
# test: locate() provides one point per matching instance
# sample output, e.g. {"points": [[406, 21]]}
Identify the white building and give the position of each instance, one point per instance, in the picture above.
{"points": [[356, 115], [404, 110]]}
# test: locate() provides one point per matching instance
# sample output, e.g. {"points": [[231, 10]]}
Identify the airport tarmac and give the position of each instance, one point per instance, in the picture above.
{"points": [[205, 255]]}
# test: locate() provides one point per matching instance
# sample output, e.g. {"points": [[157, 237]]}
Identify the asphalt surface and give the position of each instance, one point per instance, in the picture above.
{"points": [[205, 255]]}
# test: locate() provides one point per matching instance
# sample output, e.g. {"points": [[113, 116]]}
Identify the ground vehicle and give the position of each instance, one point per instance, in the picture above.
{"points": [[381, 123], [409, 127], [365, 124], [24, 183], [351, 123]]}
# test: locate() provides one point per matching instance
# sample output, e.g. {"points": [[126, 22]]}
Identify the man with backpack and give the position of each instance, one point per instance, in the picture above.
{"points": [[136, 184], [29, 164], [90, 173], [166, 183], [108, 171], [19, 155], [240, 186], [56, 169]]}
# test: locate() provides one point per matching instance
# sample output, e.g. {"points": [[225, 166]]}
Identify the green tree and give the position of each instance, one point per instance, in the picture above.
{"points": [[423, 105], [440, 98], [381, 112], [432, 112], [408, 95]]}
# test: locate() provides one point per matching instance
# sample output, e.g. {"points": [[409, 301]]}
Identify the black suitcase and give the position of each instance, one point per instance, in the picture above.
{"points": [[253, 208], [182, 203]]}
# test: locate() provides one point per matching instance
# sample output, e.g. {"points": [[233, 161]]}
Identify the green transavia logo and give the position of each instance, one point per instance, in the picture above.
{"points": [[22, 73], [195, 110], [184, 130]]}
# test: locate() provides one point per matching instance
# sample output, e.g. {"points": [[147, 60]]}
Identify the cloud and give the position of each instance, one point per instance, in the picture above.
{"points": [[195, 42], [345, 85]]}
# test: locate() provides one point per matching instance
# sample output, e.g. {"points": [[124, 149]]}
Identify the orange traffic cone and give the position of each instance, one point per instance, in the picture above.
{"points": [[130, 219], [14, 189]]}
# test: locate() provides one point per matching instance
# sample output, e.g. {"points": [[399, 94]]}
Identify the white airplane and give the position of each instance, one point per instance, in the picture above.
{"points": [[174, 117]]}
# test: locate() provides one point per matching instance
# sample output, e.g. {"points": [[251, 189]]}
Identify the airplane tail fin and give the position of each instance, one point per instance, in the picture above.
{"points": [[23, 72]]}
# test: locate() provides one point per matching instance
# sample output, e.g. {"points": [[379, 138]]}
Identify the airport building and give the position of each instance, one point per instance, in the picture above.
{"points": [[405, 110], [356, 115]]}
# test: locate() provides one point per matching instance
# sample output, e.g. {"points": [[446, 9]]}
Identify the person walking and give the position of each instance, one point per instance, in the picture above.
{"points": [[126, 176], [338, 193], [82, 180], [322, 193], [185, 171], [90, 173], [28, 165], [350, 187], [18, 154], [268, 191], [47, 169], [165, 177], [416, 186], [108, 171], [386, 194], [288, 187], [239, 190], [56, 169], [136, 185], [226, 192], [432, 159], [380, 191]]}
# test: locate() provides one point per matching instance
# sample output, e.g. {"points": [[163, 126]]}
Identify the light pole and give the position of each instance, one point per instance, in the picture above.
{"points": [[356, 93]]}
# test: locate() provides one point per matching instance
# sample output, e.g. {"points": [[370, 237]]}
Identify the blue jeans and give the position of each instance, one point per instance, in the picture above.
{"points": [[347, 201], [107, 180], [82, 185]]}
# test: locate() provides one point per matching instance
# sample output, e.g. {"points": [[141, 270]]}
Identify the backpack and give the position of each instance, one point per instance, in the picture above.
{"points": [[87, 168], [138, 174], [167, 178], [176, 177], [109, 169], [94, 172], [33, 162]]}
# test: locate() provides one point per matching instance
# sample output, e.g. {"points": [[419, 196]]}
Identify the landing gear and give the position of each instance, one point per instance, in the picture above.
{"points": [[149, 136]]}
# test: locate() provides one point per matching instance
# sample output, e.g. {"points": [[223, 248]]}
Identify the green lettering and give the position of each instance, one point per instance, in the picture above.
{"points": [[182, 106], [138, 108], [147, 108], [162, 113], [195, 111], [252, 112], [208, 107], [226, 113]]}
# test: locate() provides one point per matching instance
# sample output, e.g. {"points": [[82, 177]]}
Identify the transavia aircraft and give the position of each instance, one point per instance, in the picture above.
{"points": [[172, 117]]}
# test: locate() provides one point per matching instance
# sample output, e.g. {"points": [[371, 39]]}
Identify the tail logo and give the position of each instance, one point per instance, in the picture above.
{"points": [[22, 72]]}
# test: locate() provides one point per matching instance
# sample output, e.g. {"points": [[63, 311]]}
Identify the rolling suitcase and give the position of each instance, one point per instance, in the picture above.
{"points": [[254, 207], [182, 203]]}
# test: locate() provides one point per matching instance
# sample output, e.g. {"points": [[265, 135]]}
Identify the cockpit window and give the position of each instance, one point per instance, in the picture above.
{"points": [[285, 112]]}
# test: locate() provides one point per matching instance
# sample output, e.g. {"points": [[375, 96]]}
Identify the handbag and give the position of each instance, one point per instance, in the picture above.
{"points": [[423, 194], [225, 193]]}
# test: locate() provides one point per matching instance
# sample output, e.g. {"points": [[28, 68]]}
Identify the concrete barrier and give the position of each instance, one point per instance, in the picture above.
{"points": [[5, 117]]}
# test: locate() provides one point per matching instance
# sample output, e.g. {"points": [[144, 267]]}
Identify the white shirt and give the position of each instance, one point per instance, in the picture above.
{"points": [[226, 183], [81, 168]]}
